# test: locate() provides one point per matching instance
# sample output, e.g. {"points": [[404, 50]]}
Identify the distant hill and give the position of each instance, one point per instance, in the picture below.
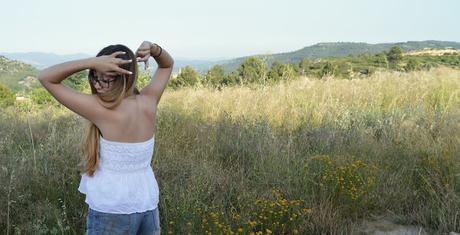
{"points": [[18, 70], [320, 50], [17, 75], [42, 60], [180, 63], [339, 49]]}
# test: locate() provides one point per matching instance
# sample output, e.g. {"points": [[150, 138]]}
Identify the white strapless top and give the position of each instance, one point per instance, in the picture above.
{"points": [[124, 181]]}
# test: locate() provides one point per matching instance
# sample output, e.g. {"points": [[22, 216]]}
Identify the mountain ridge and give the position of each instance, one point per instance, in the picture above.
{"points": [[339, 49], [319, 50]]}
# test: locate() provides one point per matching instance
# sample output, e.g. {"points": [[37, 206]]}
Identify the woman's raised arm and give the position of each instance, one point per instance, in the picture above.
{"points": [[57, 73], [154, 90], [80, 103]]}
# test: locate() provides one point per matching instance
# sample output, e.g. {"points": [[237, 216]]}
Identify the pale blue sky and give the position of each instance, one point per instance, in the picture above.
{"points": [[220, 29]]}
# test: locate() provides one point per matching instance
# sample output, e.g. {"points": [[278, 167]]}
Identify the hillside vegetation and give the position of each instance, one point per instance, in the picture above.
{"points": [[18, 76], [341, 49]]}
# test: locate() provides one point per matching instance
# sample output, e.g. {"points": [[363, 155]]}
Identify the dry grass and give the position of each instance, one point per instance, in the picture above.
{"points": [[309, 156]]}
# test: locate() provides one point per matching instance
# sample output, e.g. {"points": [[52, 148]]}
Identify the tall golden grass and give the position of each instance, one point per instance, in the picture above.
{"points": [[307, 156]]}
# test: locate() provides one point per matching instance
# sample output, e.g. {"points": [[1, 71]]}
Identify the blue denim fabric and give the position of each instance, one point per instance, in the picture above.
{"points": [[147, 222]]}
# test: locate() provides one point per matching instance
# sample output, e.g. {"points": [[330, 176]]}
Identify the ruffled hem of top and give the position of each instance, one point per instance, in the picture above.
{"points": [[111, 192]]}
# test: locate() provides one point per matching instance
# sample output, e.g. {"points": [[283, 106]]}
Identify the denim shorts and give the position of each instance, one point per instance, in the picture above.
{"points": [[143, 223]]}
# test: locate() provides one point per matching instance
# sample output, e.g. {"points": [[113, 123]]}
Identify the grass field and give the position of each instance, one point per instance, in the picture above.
{"points": [[308, 157]]}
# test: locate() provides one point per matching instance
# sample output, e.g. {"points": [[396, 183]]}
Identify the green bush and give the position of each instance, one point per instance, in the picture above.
{"points": [[7, 97], [411, 65], [41, 96], [304, 66], [78, 81], [394, 56], [281, 72], [187, 77], [215, 76], [143, 80], [329, 69], [253, 70]]}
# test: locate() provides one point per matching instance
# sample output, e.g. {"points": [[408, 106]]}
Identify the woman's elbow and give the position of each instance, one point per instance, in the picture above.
{"points": [[42, 76]]}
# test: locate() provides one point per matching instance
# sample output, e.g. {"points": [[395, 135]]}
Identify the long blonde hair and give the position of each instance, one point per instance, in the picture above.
{"points": [[123, 87]]}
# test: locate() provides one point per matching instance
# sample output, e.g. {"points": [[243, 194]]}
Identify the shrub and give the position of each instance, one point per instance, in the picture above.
{"points": [[253, 70], [347, 183], [281, 72], [41, 96], [215, 76], [187, 77], [7, 97]]}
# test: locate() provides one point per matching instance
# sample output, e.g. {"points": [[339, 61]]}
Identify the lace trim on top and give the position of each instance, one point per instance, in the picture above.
{"points": [[125, 156]]}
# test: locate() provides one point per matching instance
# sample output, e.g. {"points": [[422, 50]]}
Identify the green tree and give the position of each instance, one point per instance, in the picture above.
{"points": [[231, 79], [344, 69], [281, 72], [78, 81], [329, 69], [215, 76], [381, 60], [188, 76], [394, 56], [253, 70], [41, 96], [7, 96], [142, 80], [304, 66], [411, 65]]}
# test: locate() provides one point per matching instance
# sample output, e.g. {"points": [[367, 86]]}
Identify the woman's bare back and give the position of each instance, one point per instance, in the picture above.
{"points": [[133, 120]]}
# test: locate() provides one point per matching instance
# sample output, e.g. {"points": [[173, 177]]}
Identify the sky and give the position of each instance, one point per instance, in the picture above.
{"points": [[220, 29]]}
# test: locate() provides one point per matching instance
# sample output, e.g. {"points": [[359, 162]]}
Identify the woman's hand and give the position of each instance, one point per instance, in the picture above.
{"points": [[109, 64], [143, 53]]}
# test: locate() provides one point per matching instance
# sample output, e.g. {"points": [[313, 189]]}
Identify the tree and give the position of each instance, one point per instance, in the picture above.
{"points": [[381, 60], [329, 69], [78, 81], [7, 96], [394, 56], [344, 69], [143, 80], [215, 76], [231, 79], [41, 96], [281, 72], [253, 70], [304, 65], [275, 71], [411, 65], [188, 76]]}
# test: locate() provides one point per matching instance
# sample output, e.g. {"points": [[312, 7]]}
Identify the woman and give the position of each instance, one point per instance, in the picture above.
{"points": [[121, 190]]}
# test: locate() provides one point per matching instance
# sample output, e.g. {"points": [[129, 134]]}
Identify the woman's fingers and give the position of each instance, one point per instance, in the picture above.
{"points": [[146, 61], [120, 70], [142, 53], [112, 73], [120, 61], [117, 53]]}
